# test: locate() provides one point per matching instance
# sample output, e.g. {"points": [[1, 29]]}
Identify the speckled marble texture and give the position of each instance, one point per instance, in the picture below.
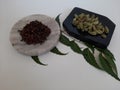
{"points": [[33, 50]]}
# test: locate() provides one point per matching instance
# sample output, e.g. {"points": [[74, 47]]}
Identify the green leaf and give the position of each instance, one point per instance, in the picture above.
{"points": [[64, 40], [36, 59], [111, 62], [90, 46], [58, 19], [89, 57], [56, 51], [75, 47], [108, 53], [107, 67]]}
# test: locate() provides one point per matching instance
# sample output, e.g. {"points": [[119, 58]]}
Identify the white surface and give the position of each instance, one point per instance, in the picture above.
{"points": [[70, 72]]}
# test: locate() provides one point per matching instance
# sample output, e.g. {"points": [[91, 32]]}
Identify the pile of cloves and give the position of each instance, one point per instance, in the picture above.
{"points": [[34, 33]]}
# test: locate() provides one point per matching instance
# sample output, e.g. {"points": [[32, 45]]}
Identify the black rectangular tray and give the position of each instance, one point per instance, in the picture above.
{"points": [[83, 36]]}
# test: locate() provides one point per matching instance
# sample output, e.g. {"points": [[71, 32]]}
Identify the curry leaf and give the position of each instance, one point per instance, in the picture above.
{"points": [[58, 19], [106, 52], [56, 51], [107, 67], [89, 57], [109, 53], [64, 40], [90, 46], [74, 46], [112, 63], [36, 59]]}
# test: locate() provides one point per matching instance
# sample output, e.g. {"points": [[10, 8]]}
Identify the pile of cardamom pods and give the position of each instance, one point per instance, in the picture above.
{"points": [[91, 24]]}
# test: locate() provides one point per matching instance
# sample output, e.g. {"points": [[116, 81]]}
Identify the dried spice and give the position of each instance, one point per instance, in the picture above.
{"points": [[35, 33], [90, 24]]}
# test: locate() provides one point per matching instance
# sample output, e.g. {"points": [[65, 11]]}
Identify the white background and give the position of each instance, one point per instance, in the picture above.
{"points": [[70, 72]]}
